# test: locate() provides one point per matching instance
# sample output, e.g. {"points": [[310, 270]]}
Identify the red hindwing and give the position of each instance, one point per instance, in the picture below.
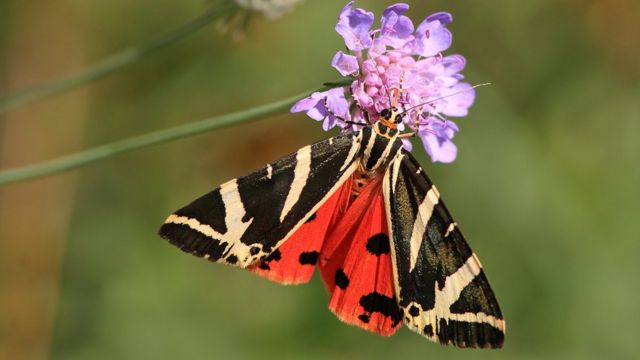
{"points": [[356, 266], [294, 261], [348, 240]]}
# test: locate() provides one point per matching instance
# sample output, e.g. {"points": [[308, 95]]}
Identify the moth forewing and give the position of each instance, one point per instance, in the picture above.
{"points": [[246, 219], [440, 285]]}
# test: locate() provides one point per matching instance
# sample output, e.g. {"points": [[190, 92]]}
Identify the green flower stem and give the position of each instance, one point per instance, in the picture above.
{"points": [[110, 64], [138, 142]]}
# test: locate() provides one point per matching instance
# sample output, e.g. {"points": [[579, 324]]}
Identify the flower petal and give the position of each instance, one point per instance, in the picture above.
{"points": [[354, 27], [396, 28], [432, 37], [306, 103], [459, 104], [445, 152], [345, 64], [337, 103], [361, 96], [440, 150], [313, 106], [436, 138], [453, 64], [443, 17], [318, 112], [377, 48], [330, 107]]}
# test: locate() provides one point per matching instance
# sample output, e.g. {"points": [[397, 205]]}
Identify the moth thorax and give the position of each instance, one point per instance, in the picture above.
{"points": [[361, 178], [378, 149]]}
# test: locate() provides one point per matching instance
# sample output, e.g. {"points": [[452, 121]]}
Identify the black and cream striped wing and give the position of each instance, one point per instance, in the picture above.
{"points": [[440, 285], [246, 219]]}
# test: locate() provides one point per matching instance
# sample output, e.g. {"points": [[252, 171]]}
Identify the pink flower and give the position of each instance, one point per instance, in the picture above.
{"points": [[397, 57]]}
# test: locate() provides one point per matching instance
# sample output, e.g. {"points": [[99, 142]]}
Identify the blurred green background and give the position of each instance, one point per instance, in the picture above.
{"points": [[546, 185]]}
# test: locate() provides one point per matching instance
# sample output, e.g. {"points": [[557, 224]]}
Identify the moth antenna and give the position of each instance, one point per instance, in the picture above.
{"points": [[365, 113], [330, 112], [396, 97], [401, 86], [446, 96], [353, 122]]}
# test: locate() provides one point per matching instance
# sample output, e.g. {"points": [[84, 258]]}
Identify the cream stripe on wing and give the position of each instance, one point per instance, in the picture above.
{"points": [[453, 286], [368, 147], [456, 282], [234, 212], [450, 229], [300, 176], [396, 170], [384, 155], [425, 210], [353, 151], [388, 189], [195, 225], [445, 298], [269, 171]]}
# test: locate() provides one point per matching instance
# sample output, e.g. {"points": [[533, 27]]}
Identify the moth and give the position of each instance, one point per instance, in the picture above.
{"points": [[361, 209]]}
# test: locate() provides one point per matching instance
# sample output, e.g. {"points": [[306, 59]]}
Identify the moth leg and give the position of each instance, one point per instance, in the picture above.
{"points": [[407, 135]]}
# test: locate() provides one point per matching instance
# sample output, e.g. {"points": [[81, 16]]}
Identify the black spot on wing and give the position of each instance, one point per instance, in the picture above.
{"points": [[364, 318], [341, 279], [385, 305], [428, 330], [414, 311], [309, 258], [469, 334], [444, 333], [378, 244], [232, 259], [274, 256]]}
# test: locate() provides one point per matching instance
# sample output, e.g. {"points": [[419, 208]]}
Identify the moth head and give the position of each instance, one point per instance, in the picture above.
{"points": [[391, 117]]}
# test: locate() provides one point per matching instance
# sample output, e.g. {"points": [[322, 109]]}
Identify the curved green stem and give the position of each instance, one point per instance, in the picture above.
{"points": [[138, 142], [110, 64]]}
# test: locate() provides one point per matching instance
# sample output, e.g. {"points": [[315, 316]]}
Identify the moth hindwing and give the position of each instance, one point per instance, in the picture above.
{"points": [[361, 209]]}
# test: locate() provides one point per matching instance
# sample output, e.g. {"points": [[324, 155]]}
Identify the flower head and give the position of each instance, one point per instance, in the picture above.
{"points": [[269, 8], [396, 57]]}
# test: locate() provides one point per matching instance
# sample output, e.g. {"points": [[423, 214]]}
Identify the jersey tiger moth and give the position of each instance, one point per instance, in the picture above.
{"points": [[360, 208]]}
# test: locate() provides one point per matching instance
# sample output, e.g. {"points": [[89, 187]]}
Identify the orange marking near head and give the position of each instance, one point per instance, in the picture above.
{"points": [[387, 123]]}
